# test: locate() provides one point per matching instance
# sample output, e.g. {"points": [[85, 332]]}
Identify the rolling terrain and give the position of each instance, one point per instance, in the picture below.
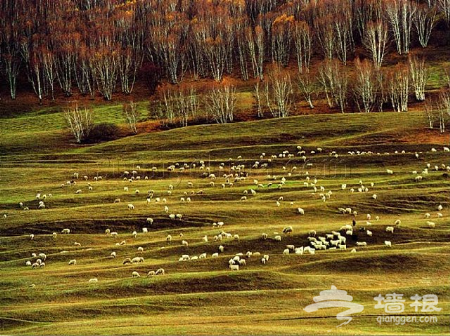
{"points": [[204, 296]]}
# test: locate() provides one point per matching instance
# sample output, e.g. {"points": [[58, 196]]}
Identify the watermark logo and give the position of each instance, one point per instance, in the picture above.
{"points": [[395, 304], [335, 298]]}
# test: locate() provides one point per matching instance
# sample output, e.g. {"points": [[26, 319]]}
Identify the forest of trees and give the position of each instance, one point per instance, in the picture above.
{"points": [[103, 46]]}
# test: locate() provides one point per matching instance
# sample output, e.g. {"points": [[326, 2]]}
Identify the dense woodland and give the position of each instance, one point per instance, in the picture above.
{"points": [[337, 49]]}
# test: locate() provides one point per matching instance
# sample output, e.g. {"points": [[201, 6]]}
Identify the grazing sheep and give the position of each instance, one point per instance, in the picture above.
{"points": [[150, 220], [113, 254], [107, 231], [130, 206], [135, 275], [353, 251], [236, 237], [286, 251], [117, 200], [77, 244], [287, 230], [72, 262], [114, 234], [185, 243], [93, 280], [160, 271], [205, 239], [397, 222], [31, 236], [277, 238], [127, 261], [28, 263], [361, 243], [387, 243], [144, 230], [427, 215], [221, 248], [390, 229], [215, 255], [151, 273], [440, 207], [65, 231], [140, 249], [234, 267], [169, 238], [264, 236], [389, 171], [431, 224], [439, 215], [369, 233], [134, 234], [137, 260]]}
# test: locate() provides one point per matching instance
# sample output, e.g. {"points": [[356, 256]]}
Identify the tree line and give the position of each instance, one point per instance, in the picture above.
{"points": [[103, 45]]}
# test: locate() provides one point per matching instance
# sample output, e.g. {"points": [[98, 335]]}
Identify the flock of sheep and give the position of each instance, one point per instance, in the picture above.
{"points": [[243, 180]]}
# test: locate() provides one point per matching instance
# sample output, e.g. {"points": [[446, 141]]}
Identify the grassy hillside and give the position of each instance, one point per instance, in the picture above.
{"points": [[203, 296]]}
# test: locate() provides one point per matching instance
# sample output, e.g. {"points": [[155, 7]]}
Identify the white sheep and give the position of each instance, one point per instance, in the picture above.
{"points": [[390, 229], [135, 274], [113, 254], [134, 234], [93, 280], [221, 248], [169, 238], [150, 220], [77, 244], [286, 251], [72, 262], [137, 260], [185, 243], [31, 236], [277, 238], [361, 243], [140, 249], [288, 230], [431, 224], [65, 231], [234, 267], [114, 234], [144, 230], [369, 233], [130, 206], [387, 243]]}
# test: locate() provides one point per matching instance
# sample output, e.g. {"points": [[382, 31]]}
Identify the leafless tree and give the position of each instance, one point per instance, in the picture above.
{"points": [[80, 122], [220, 103], [419, 75], [444, 7], [105, 65], [365, 85], [424, 20], [307, 86], [334, 80], [375, 40], [429, 110], [132, 115], [398, 87], [444, 109], [400, 15], [303, 44], [257, 96], [278, 92]]}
